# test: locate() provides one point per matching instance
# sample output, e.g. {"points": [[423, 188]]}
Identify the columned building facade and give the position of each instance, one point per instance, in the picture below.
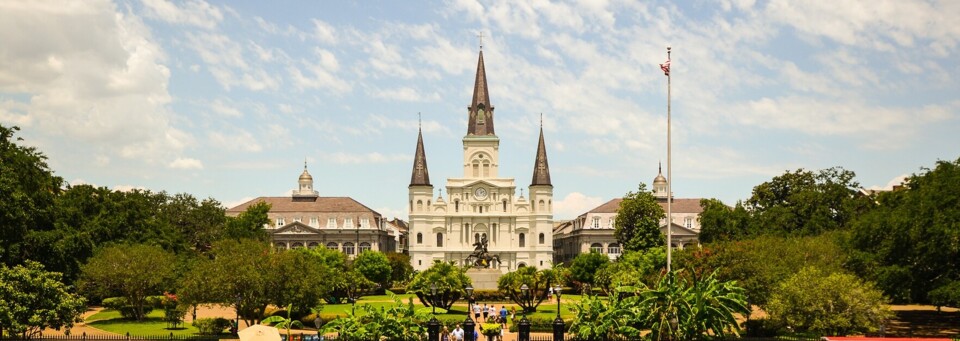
{"points": [[481, 204], [305, 219]]}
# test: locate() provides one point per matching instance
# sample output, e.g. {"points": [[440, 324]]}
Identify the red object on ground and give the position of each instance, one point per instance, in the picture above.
{"points": [[861, 338]]}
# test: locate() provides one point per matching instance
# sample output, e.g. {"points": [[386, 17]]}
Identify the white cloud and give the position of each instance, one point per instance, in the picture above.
{"points": [[234, 203], [226, 62], [193, 12], [237, 139], [324, 32], [379, 122], [103, 87], [574, 204], [128, 188], [896, 181], [320, 74], [220, 106], [406, 94], [186, 163], [365, 158]]}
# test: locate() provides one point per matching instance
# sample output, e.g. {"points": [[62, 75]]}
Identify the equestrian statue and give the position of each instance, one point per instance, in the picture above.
{"points": [[480, 257]]}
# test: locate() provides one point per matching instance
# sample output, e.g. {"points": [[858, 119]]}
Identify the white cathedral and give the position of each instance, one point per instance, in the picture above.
{"points": [[481, 204]]}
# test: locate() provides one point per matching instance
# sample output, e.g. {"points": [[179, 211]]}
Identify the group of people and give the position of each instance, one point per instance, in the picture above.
{"points": [[490, 313]]}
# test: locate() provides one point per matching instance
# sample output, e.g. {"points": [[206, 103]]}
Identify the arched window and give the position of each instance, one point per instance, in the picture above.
{"points": [[613, 249], [313, 245], [596, 247], [504, 205], [520, 265], [281, 245], [419, 238], [419, 205], [297, 245], [456, 205], [481, 209], [333, 246], [542, 205], [542, 239], [439, 239], [364, 246], [348, 248], [523, 240]]}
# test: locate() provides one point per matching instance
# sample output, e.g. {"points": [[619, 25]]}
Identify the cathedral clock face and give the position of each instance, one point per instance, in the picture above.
{"points": [[480, 193]]}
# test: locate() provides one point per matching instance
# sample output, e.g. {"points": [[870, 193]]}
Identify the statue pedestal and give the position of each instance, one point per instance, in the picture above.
{"points": [[484, 279]]}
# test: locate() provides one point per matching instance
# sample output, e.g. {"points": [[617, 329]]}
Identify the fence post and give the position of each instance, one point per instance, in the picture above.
{"points": [[468, 327], [433, 329], [524, 327], [558, 326]]}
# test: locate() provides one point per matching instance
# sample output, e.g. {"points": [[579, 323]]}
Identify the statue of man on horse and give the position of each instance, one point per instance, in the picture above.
{"points": [[481, 258]]}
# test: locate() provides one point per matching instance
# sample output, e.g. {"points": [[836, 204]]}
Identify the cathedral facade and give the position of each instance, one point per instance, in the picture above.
{"points": [[481, 204]]}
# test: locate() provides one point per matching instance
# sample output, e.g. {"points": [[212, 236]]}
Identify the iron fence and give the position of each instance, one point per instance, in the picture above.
{"points": [[115, 337]]}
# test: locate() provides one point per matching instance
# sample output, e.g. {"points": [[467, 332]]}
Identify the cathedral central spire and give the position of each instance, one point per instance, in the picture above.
{"points": [[480, 110]]}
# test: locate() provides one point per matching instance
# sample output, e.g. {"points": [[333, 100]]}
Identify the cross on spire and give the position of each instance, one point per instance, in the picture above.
{"points": [[419, 122], [481, 39]]}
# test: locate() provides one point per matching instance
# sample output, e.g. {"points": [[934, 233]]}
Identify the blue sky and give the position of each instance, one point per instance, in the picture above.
{"points": [[227, 99]]}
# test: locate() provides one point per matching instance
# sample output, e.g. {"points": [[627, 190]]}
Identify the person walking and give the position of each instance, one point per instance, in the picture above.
{"points": [[457, 333], [503, 317], [445, 334], [476, 313], [486, 312]]}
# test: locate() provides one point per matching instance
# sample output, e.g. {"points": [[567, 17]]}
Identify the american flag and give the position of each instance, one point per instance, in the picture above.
{"points": [[666, 68]]}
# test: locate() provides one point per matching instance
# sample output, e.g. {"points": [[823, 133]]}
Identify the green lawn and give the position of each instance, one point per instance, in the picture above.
{"points": [[110, 320], [547, 309]]}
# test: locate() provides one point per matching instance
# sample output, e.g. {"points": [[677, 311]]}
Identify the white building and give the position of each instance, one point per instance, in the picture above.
{"points": [[593, 231], [481, 203]]}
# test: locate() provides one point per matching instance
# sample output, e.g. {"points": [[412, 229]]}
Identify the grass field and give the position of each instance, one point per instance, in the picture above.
{"points": [[110, 320]]}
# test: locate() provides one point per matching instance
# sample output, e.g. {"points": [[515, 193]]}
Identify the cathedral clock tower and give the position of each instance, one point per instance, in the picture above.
{"points": [[481, 204]]}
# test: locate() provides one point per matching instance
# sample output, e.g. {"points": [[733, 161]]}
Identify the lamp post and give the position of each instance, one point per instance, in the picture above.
{"points": [[353, 300], [433, 297], [558, 324], [433, 326], [468, 324], [524, 325]]}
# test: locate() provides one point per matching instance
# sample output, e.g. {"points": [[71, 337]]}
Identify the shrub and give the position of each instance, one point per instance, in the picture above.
{"points": [[155, 302], [481, 296], [399, 290], [114, 303], [130, 311], [308, 320], [212, 326], [761, 328], [946, 296]]}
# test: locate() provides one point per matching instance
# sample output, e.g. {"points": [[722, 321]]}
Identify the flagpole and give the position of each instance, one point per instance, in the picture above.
{"points": [[669, 175]]}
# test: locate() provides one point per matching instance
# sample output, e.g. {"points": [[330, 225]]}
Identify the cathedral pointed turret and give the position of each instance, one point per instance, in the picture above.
{"points": [[420, 176], [480, 110], [541, 169]]}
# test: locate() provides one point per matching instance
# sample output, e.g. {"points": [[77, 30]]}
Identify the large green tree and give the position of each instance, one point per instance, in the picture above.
{"points": [[585, 266], [909, 244], [239, 275], [249, 223], [538, 283], [130, 271], [27, 192], [32, 299], [402, 270], [803, 202], [375, 267], [632, 269], [828, 303], [450, 280], [720, 222], [761, 263], [638, 221]]}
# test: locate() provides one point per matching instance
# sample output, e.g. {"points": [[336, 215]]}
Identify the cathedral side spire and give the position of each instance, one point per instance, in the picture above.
{"points": [[420, 176], [541, 169], [480, 110]]}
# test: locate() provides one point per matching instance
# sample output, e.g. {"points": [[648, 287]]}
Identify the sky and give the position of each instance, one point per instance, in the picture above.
{"points": [[227, 99]]}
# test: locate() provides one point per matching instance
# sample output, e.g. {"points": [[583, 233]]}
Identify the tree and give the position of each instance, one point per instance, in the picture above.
{"points": [[298, 280], [538, 284], [249, 223], [719, 222], [828, 304], [638, 221], [805, 203], [700, 305], [632, 269], [401, 268], [375, 267], [449, 279], [239, 275], [946, 296], [336, 262], [586, 265], [909, 243], [130, 271], [198, 223], [27, 191], [32, 299]]}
